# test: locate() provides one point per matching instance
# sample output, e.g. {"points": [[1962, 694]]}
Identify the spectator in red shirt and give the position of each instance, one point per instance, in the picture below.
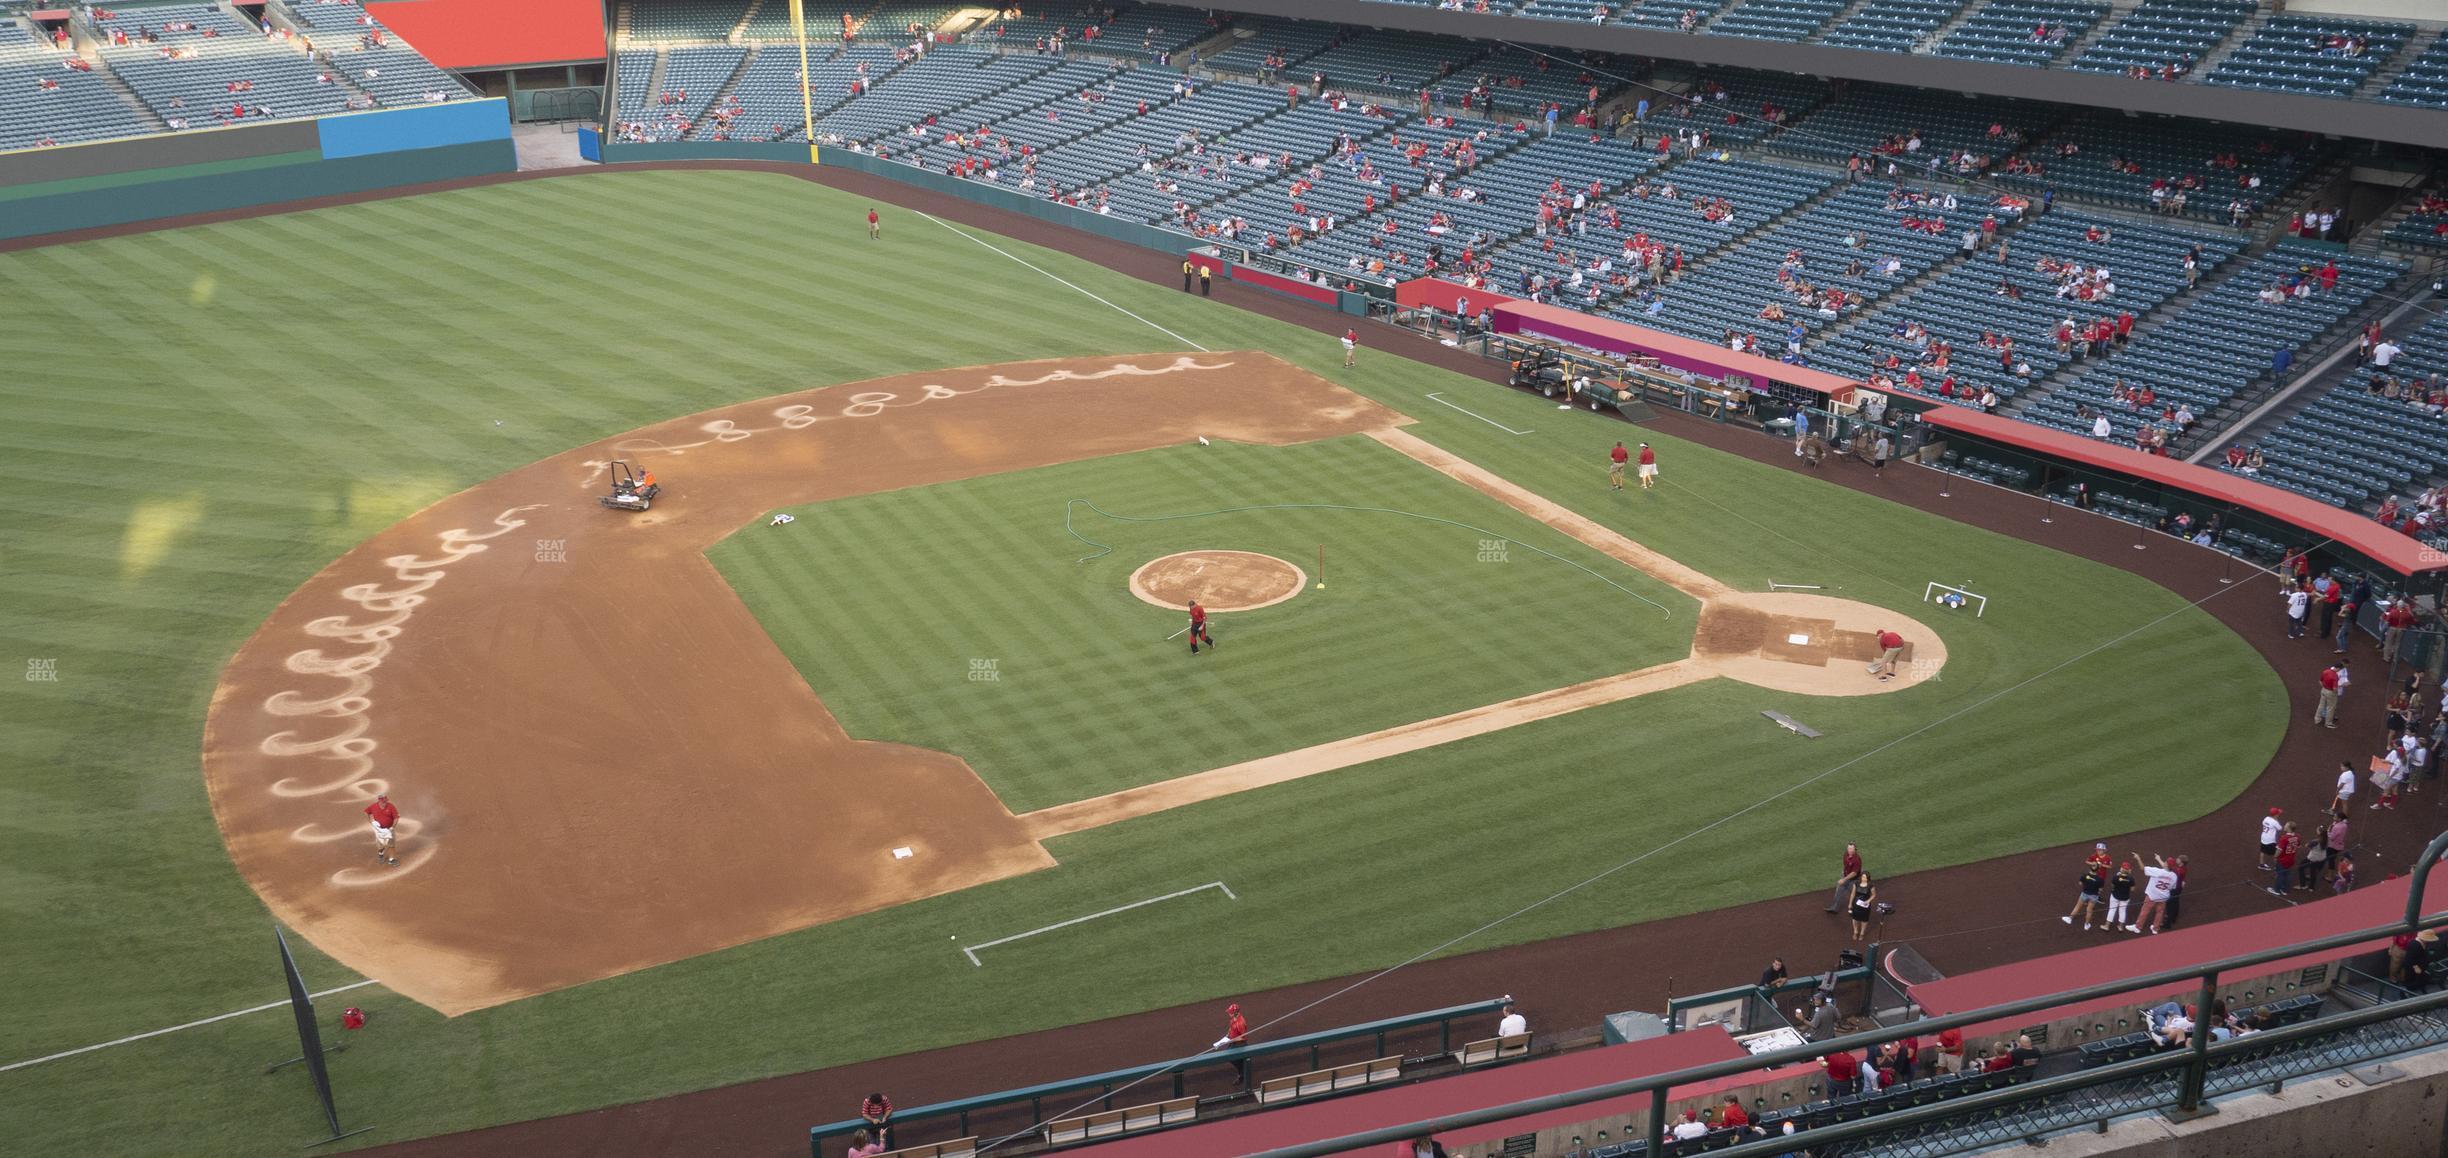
{"points": [[2395, 621], [386, 817], [1852, 872], [1950, 1051], [1843, 1073], [1732, 1116], [877, 1109], [1236, 1035]]}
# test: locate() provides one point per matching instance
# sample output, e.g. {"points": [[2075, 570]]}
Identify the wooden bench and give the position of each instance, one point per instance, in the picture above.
{"points": [[1127, 1120], [1494, 1049], [956, 1148], [1355, 1076]]}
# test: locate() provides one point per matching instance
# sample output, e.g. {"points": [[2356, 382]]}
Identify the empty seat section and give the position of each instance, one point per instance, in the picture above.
{"points": [[1893, 25], [2318, 55], [2373, 434], [2164, 38], [2031, 32], [1793, 20], [202, 66], [2113, 158], [53, 104]]}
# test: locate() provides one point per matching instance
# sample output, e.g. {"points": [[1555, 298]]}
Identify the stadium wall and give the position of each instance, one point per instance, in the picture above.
{"points": [[1011, 199], [207, 170]]}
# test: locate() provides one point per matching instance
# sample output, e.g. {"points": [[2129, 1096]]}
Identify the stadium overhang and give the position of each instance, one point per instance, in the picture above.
{"points": [[2359, 120]]}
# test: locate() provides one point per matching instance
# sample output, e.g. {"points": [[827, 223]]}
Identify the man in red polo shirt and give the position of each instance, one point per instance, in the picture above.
{"points": [[1891, 646], [2395, 620], [875, 225], [1844, 884], [1236, 1035], [1648, 467], [386, 816], [1843, 1072], [1616, 459], [1950, 1051]]}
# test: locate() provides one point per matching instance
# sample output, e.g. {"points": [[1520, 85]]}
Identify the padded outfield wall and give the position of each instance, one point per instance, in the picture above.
{"points": [[207, 170]]}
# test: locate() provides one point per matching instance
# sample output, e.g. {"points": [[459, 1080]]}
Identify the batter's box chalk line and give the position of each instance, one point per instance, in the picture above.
{"points": [[971, 951]]}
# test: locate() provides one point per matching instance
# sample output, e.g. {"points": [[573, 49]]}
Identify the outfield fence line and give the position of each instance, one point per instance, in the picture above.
{"points": [[134, 1037]]}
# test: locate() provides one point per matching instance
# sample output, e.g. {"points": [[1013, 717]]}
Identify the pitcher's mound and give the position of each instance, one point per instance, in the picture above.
{"points": [[1220, 580]]}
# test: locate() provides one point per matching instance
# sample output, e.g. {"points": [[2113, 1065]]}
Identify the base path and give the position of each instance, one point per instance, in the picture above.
{"points": [[602, 761]]}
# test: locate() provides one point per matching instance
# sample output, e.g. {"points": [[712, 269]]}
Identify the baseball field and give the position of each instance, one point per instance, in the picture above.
{"points": [[303, 507]]}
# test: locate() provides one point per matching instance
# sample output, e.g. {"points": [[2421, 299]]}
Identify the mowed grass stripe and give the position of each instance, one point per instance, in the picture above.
{"points": [[1089, 697]]}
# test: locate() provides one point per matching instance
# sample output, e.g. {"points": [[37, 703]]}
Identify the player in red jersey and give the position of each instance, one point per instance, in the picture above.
{"points": [[1198, 627]]}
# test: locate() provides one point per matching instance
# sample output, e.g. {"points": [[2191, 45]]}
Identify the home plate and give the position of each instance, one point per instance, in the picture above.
{"points": [[903, 853], [1798, 640]]}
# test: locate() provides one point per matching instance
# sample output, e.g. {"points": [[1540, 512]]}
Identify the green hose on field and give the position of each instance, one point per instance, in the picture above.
{"points": [[1104, 549]]}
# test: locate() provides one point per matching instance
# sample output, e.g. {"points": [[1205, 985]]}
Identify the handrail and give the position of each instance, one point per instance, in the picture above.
{"points": [[2035, 1089], [1657, 1085], [1127, 1075]]}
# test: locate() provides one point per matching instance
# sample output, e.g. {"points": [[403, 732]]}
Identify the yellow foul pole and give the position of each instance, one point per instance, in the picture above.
{"points": [[807, 100]]}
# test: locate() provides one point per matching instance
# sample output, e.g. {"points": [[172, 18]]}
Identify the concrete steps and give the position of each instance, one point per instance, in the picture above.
{"points": [[1930, 42], [2219, 52]]}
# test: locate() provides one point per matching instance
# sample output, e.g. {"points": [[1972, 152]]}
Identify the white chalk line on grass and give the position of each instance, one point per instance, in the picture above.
{"points": [[175, 1028], [1603, 874], [1481, 417], [971, 951], [1059, 278]]}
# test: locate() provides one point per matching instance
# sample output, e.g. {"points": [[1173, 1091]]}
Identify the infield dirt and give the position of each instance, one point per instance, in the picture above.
{"points": [[588, 734]]}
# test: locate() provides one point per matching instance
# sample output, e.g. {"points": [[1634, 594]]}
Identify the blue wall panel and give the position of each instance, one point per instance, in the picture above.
{"points": [[421, 127]]}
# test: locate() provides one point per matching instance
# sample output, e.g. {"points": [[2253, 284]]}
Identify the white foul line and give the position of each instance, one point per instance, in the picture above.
{"points": [[971, 951], [1481, 417], [1016, 257], [175, 1028]]}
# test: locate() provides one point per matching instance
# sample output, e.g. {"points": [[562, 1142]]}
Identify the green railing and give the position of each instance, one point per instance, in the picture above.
{"points": [[1077, 1094]]}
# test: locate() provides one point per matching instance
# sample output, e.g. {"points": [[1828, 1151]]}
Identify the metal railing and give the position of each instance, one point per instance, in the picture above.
{"points": [[2193, 1064], [1106, 1084]]}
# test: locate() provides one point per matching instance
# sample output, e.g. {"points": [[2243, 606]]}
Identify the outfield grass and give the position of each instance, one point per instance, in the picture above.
{"points": [[263, 394], [883, 602]]}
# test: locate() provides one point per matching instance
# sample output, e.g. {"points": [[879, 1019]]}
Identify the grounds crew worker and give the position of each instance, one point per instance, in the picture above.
{"points": [[1186, 274]]}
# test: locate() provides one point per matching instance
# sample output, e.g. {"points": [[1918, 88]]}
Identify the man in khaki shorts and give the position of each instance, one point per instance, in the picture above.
{"points": [[1891, 647], [1616, 459], [386, 817]]}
